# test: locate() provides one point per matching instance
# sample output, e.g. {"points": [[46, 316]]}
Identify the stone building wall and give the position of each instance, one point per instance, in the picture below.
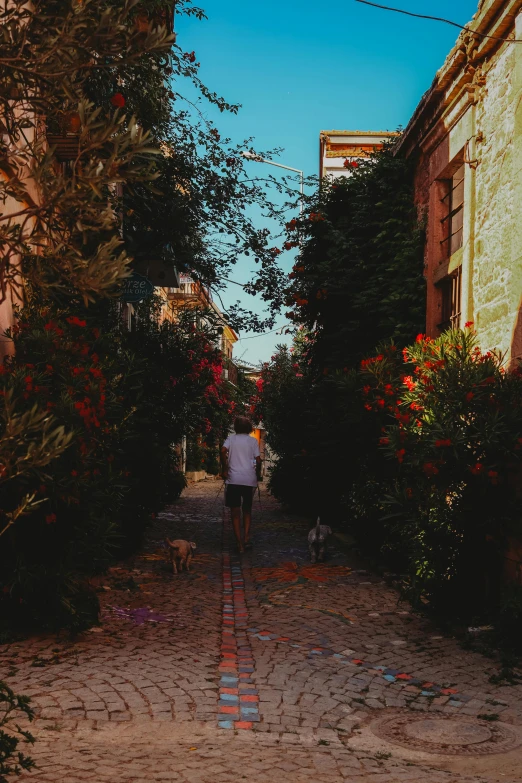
{"points": [[472, 114], [497, 257]]}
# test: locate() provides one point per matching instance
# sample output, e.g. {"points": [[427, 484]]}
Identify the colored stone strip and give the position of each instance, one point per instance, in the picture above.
{"points": [[238, 697], [408, 681]]}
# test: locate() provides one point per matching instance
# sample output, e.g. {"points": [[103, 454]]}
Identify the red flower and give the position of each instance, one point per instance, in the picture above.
{"points": [[477, 468], [400, 454], [118, 100], [50, 518], [469, 396], [430, 469], [409, 382], [468, 324], [384, 441], [75, 321], [419, 338], [52, 327], [440, 443]]}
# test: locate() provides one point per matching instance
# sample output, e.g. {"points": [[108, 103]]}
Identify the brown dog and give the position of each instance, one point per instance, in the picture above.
{"points": [[180, 553]]}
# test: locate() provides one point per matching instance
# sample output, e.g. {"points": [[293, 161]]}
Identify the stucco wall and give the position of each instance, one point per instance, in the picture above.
{"points": [[497, 260]]}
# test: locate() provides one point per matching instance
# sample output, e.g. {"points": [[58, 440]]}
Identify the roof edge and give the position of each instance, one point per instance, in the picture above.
{"points": [[492, 18]]}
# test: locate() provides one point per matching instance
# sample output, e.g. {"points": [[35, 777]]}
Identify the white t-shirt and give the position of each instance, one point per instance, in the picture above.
{"points": [[242, 453]]}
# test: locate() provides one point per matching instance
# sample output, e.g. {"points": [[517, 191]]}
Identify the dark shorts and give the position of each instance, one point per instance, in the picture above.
{"points": [[238, 495]]}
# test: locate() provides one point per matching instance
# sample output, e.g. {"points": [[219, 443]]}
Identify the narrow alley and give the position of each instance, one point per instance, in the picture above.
{"points": [[257, 669]]}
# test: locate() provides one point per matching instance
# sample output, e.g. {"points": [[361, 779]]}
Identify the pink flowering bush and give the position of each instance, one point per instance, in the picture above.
{"points": [[123, 401], [419, 451], [455, 436]]}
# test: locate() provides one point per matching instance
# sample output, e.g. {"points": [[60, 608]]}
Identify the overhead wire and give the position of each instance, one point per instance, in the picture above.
{"points": [[439, 19], [279, 329]]}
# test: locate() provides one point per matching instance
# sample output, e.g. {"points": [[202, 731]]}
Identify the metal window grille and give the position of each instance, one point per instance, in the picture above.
{"points": [[453, 221], [451, 301]]}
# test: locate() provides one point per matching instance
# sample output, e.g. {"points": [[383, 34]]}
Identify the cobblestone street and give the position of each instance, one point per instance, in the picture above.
{"points": [[258, 668]]}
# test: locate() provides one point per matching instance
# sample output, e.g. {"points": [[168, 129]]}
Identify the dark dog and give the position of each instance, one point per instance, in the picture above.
{"points": [[317, 538], [180, 553]]}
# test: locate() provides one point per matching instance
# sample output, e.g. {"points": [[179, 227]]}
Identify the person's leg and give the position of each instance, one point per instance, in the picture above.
{"points": [[233, 502], [247, 519], [236, 524], [247, 511]]}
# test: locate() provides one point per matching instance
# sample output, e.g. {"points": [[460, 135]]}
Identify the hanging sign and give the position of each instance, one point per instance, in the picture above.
{"points": [[135, 288]]}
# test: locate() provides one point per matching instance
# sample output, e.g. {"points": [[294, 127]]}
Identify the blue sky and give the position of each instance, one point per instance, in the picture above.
{"points": [[299, 67]]}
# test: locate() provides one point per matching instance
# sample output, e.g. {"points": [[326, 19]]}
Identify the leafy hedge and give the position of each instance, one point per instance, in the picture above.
{"points": [[12, 760], [419, 453], [120, 402], [457, 440], [358, 279]]}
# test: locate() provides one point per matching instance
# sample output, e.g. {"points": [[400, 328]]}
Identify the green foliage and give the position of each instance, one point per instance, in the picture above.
{"points": [[61, 221], [29, 441], [105, 169], [317, 430], [358, 279], [509, 621], [279, 391], [119, 143], [125, 399], [420, 452], [456, 442], [12, 760]]}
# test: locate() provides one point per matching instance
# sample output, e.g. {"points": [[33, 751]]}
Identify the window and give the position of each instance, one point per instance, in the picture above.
{"points": [[453, 221], [451, 289]]}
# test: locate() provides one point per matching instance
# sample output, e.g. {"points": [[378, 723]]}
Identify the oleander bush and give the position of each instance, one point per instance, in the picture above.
{"points": [[107, 169], [115, 404], [418, 454], [456, 439], [12, 760]]}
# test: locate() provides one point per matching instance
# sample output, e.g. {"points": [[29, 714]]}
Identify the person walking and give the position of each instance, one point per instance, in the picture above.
{"points": [[241, 469]]}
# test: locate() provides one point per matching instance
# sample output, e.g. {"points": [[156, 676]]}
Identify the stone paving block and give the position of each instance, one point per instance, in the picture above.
{"points": [[156, 681]]}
